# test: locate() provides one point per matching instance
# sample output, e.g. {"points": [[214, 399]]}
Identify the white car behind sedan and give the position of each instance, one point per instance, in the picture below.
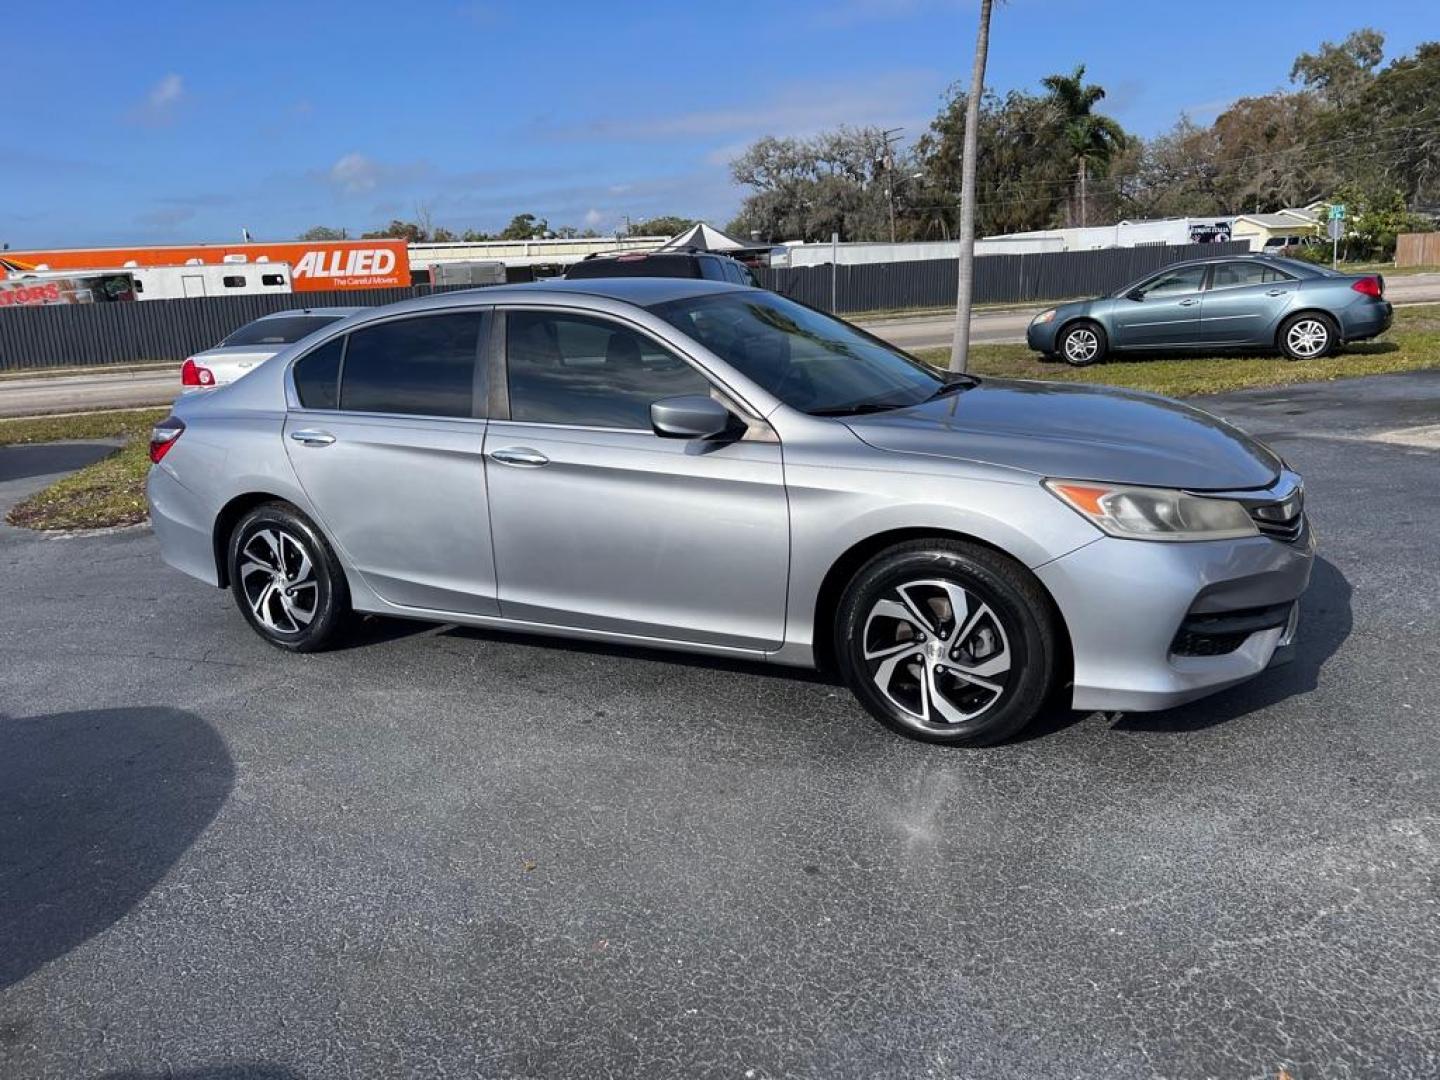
{"points": [[254, 343]]}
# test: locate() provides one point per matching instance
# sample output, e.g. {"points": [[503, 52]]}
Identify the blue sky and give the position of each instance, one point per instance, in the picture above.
{"points": [[155, 121]]}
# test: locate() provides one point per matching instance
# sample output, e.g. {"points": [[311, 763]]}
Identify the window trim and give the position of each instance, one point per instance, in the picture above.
{"points": [[501, 369], [486, 312]]}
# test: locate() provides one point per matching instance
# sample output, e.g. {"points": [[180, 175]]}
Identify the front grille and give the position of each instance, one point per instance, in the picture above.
{"points": [[1280, 527], [1218, 633]]}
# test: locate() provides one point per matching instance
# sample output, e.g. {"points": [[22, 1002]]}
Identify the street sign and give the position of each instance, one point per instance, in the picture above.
{"points": [[1337, 211], [1336, 230]]}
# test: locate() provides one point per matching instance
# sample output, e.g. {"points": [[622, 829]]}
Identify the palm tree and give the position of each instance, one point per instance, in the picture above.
{"points": [[1092, 138], [960, 347]]}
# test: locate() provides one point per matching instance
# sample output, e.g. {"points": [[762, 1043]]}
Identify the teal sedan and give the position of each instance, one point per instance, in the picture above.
{"points": [[1295, 308]]}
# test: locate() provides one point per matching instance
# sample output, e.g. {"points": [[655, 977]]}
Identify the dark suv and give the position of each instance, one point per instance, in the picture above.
{"points": [[670, 264]]}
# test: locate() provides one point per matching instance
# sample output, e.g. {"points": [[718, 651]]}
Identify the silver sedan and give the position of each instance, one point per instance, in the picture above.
{"points": [[705, 467]]}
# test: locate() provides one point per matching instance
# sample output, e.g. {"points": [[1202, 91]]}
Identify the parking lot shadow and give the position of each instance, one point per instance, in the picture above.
{"points": [[1325, 623], [95, 807], [243, 1071], [43, 459]]}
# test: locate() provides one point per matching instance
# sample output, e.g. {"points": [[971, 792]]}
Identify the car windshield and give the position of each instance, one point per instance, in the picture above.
{"points": [[282, 331], [806, 359]]}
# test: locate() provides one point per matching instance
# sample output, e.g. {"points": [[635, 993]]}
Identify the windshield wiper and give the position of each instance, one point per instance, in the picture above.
{"points": [[857, 409], [950, 386]]}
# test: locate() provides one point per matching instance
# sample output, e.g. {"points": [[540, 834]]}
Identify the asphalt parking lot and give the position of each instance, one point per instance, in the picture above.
{"points": [[444, 852]]}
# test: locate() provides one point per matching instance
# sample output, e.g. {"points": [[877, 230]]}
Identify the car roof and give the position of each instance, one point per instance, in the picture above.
{"points": [[640, 291], [334, 312]]}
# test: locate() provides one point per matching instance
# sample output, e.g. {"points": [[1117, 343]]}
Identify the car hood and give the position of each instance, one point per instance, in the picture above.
{"points": [[1076, 432]]}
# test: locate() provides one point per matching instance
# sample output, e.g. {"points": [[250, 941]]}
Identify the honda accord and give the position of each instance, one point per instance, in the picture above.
{"points": [[712, 468]]}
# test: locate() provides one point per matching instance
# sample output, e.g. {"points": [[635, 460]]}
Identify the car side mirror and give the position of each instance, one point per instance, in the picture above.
{"points": [[1134, 294], [693, 416]]}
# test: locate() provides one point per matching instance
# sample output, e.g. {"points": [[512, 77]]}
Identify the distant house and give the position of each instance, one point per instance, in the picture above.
{"points": [[1267, 232]]}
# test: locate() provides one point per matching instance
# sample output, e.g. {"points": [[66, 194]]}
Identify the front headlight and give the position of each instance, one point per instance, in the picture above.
{"points": [[1044, 317], [1146, 513]]}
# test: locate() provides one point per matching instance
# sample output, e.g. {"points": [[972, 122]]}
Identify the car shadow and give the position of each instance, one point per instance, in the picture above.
{"points": [[1160, 356], [95, 808], [240, 1071], [1325, 622], [43, 459]]}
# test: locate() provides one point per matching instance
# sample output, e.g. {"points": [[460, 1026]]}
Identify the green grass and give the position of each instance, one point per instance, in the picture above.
{"points": [[108, 493], [1411, 344]]}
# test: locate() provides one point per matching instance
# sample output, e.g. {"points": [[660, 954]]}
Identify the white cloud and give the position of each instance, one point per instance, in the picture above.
{"points": [[161, 101], [593, 218], [354, 173]]}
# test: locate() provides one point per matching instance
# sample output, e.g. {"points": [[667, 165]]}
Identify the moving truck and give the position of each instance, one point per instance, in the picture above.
{"points": [[315, 266]]}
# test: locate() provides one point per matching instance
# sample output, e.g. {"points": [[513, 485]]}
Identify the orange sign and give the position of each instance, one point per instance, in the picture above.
{"points": [[314, 265]]}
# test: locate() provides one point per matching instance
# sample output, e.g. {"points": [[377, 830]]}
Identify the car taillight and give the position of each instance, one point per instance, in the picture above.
{"points": [[193, 374], [164, 435], [1370, 286]]}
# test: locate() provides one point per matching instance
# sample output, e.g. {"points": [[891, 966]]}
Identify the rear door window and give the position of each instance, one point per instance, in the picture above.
{"points": [[424, 366]]}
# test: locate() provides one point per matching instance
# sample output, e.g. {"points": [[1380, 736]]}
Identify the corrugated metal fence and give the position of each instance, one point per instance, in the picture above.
{"points": [[118, 333], [125, 332], [999, 279]]}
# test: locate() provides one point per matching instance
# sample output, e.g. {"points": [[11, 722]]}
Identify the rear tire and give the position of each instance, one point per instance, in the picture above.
{"points": [[1310, 335], [286, 580], [930, 671], [1082, 344]]}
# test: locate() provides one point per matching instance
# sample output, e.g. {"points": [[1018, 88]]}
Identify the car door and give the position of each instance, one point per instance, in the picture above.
{"points": [[601, 524], [1162, 312], [387, 441], [1244, 303]]}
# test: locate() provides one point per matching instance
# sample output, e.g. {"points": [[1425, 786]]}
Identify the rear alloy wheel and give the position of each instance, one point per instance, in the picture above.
{"points": [[1307, 337], [1083, 344], [286, 580], [947, 642]]}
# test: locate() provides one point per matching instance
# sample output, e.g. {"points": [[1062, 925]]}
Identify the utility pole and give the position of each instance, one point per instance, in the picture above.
{"points": [[1083, 215], [887, 162], [965, 288]]}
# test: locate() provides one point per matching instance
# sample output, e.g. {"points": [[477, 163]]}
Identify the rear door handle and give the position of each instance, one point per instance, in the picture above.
{"points": [[520, 455], [1189, 303], [310, 437]]}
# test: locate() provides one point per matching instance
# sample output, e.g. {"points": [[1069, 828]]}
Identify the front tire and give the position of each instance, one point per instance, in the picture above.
{"points": [[947, 642], [1083, 344], [1308, 336], [286, 580]]}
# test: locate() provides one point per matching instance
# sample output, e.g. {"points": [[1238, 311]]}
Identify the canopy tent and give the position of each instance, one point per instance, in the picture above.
{"points": [[703, 237]]}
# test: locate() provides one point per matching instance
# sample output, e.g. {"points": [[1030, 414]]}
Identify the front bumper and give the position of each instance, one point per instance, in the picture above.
{"points": [[1126, 602], [1041, 336]]}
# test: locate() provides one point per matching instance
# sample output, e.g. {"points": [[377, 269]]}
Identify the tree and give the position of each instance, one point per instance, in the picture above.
{"points": [[806, 189], [524, 227], [1339, 74], [408, 231], [665, 225], [1373, 219], [1092, 139], [965, 289], [323, 232]]}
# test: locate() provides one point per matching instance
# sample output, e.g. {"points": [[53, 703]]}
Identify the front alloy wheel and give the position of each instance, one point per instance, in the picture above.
{"points": [[1082, 344], [947, 642]]}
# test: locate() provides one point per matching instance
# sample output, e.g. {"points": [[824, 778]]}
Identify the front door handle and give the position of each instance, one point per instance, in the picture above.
{"points": [[1277, 292], [520, 455], [310, 437], [1189, 303]]}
